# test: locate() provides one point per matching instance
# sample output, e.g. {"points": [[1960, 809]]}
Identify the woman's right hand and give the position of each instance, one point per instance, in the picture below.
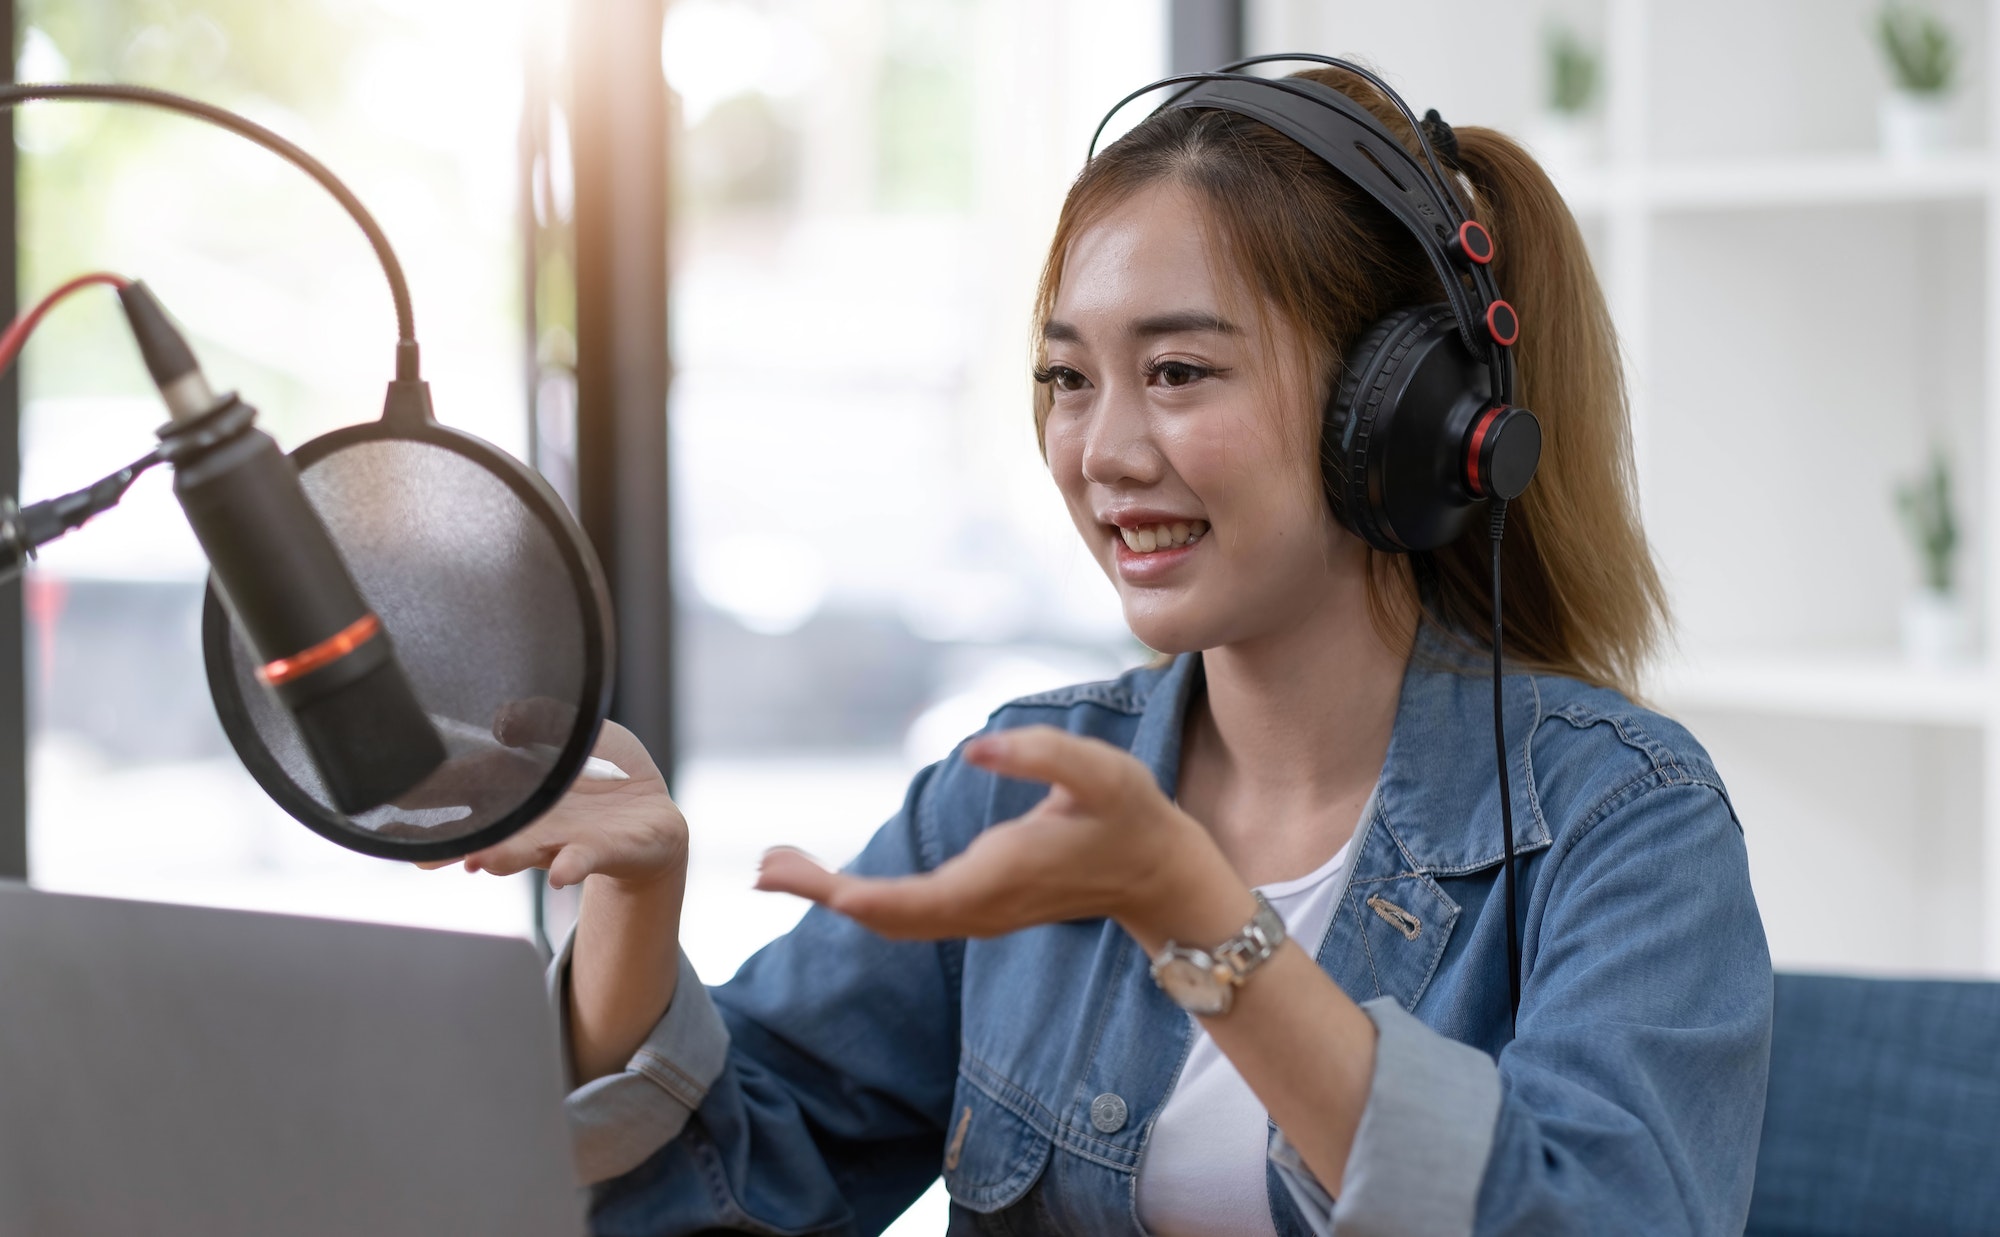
{"points": [[626, 830], [627, 836]]}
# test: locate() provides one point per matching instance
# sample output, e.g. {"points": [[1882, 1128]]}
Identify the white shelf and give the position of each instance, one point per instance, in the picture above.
{"points": [[1832, 180], [1847, 687], [1782, 291]]}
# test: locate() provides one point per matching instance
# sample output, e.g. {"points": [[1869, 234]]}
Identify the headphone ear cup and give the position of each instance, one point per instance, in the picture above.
{"points": [[1349, 445], [1396, 435]]}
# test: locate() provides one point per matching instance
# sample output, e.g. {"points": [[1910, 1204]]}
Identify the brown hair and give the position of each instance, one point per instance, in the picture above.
{"points": [[1582, 595]]}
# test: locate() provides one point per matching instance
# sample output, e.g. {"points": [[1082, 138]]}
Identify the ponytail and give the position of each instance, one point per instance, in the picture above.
{"points": [[1582, 594]]}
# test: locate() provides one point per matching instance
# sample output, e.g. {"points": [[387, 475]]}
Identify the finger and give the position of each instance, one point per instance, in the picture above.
{"points": [[538, 719], [432, 865], [571, 864], [622, 748], [912, 908], [516, 854], [892, 908], [787, 869], [1092, 770], [953, 901]]}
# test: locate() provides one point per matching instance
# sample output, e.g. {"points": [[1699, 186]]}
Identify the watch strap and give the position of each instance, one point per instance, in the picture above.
{"points": [[1228, 965], [1254, 945]]}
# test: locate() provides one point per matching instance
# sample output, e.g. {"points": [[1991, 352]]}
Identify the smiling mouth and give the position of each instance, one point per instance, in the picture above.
{"points": [[1153, 538]]}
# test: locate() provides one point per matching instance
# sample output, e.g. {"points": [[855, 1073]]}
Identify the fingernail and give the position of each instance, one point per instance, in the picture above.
{"points": [[985, 748]]}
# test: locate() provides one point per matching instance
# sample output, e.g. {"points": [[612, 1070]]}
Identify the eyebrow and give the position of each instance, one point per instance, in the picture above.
{"points": [[1178, 322]]}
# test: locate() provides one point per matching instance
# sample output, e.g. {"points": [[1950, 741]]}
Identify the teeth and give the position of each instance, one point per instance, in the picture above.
{"points": [[1163, 536]]}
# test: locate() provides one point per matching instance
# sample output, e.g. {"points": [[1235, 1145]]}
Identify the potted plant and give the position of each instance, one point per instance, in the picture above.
{"points": [[1933, 621], [1922, 52], [1564, 136]]}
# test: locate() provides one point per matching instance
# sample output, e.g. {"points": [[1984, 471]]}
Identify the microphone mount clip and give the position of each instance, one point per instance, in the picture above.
{"points": [[183, 440]]}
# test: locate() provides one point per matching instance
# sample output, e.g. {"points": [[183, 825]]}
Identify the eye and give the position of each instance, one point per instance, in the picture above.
{"points": [[1178, 373], [1062, 378]]}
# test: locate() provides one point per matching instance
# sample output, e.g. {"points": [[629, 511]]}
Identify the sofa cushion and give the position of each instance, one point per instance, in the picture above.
{"points": [[1884, 1110]]}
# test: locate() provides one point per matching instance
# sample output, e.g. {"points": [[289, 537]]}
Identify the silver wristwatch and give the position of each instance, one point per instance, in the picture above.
{"points": [[1205, 981]]}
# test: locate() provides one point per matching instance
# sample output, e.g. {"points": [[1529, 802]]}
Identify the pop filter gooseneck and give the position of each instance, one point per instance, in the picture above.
{"points": [[145, 96], [495, 601]]}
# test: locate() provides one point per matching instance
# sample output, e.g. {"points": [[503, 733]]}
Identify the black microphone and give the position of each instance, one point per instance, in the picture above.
{"points": [[322, 652]]}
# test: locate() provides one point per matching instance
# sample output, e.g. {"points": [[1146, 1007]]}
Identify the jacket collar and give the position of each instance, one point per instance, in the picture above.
{"points": [[1437, 796]]}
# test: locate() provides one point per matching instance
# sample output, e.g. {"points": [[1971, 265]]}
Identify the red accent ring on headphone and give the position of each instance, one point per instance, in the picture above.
{"points": [[1503, 324], [1473, 481], [1475, 242]]}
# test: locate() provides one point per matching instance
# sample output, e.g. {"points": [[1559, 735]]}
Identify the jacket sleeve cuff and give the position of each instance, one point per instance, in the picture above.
{"points": [[616, 1122], [1420, 1152]]}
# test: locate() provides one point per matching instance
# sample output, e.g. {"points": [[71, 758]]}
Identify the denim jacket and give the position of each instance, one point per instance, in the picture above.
{"points": [[838, 1074]]}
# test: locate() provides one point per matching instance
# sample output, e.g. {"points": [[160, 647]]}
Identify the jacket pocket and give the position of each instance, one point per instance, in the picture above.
{"points": [[992, 1155]]}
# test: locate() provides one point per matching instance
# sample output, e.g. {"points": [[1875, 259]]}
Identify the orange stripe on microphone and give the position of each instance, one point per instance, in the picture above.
{"points": [[327, 651]]}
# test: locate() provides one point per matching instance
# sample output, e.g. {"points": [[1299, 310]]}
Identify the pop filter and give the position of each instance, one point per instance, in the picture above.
{"points": [[500, 617], [495, 604]]}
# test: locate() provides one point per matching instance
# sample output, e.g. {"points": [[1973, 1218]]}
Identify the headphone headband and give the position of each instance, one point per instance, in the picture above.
{"points": [[1354, 143]]}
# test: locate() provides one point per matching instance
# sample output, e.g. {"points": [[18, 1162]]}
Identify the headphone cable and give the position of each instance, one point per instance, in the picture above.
{"points": [[1506, 794]]}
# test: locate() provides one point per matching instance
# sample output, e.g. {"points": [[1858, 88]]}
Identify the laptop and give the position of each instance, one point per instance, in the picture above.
{"points": [[187, 1072]]}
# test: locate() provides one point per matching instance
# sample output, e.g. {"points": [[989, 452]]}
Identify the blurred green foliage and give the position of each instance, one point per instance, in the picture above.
{"points": [[1921, 50], [924, 106], [260, 56], [1572, 69], [745, 151], [294, 52], [742, 153], [1926, 507]]}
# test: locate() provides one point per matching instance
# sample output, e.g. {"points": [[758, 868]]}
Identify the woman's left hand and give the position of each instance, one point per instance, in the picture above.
{"points": [[1104, 842]]}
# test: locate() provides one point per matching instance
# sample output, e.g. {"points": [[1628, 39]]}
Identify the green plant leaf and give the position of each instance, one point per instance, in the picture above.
{"points": [[1926, 509], [1921, 50], [1572, 71]]}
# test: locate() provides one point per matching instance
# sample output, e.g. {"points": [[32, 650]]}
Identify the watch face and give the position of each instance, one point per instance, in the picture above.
{"points": [[1192, 986]]}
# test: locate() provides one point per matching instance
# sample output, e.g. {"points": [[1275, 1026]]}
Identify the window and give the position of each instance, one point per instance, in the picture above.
{"points": [[133, 789], [869, 553]]}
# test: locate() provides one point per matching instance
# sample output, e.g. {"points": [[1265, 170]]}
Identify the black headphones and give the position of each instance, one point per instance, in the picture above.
{"points": [[1422, 426]]}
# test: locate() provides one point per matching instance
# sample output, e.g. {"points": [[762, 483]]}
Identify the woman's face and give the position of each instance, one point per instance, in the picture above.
{"points": [[1183, 433]]}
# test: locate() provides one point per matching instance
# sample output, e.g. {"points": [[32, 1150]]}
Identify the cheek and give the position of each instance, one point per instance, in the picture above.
{"points": [[1064, 451], [1249, 475]]}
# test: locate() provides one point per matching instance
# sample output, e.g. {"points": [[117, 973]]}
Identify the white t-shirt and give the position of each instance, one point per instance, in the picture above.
{"points": [[1203, 1172]]}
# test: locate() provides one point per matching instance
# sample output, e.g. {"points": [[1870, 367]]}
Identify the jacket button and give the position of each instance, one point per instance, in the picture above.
{"points": [[1107, 1113]]}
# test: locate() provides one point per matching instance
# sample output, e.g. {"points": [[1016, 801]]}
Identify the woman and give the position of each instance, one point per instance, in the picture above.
{"points": [[973, 994]]}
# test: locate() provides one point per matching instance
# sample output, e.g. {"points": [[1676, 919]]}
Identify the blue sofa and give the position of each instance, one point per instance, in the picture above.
{"points": [[1884, 1110]]}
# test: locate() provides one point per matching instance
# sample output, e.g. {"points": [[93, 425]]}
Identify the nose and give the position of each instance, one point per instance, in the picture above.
{"points": [[1118, 448]]}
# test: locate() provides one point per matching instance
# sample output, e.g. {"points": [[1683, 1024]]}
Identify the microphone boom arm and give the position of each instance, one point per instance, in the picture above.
{"points": [[23, 530], [407, 368]]}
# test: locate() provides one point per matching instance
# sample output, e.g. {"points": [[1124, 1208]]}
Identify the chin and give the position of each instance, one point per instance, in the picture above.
{"points": [[1172, 628]]}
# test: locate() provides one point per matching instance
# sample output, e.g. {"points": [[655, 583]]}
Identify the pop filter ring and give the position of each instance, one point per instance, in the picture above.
{"points": [[593, 597]]}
